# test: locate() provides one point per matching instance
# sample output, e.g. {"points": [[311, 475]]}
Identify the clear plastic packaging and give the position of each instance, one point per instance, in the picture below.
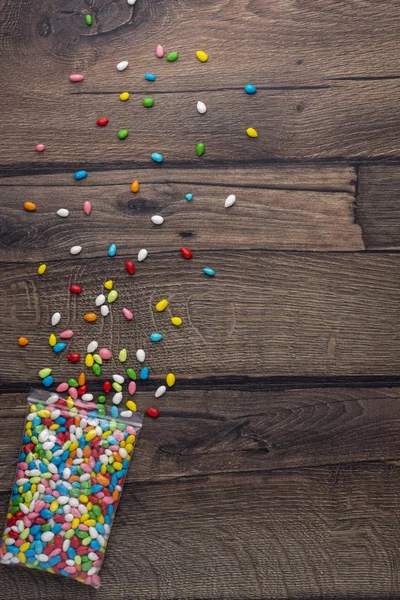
{"points": [[70, 474]]}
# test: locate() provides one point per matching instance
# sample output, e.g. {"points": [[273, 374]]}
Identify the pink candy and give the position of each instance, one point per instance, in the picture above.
{"points": [[105, 353], [67, 334], [159, 51], [87, 207], [132, 387], [76, 77], [62, 387], [73, 392], [40, 148], [127, 313]]}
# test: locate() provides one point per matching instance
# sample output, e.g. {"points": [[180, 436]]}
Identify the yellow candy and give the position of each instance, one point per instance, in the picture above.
{"points": [[103, 469], [124, 96], [89, 505], [109, 284], [53, 506], [83, 498], [117, 466], [74, 446], [131, 439], [22, 557], [89, 360], [251, 132], [24, 547], [202, 56], [105, 434], [54, 426], [90, 522], [42, 269], [162, 305], [176, 321], [52, 340], [75, 523], [90, 436], [44, 414], [100, 519], [129, 448], [84, 518], [131, 405], [170, 379]]}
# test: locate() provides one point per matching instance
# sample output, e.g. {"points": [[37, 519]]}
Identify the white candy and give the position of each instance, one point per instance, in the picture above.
{"points": [[55, 319], [100, 300], [118, 378], [74, 502], [76, 250], [87, 397], [52, 468], [48, 445], [126, 414], [67, 473], [103, 459], [24, 508], [140, 355], [63, 212], [62, 500], [93, 532], [142, 254], [47, 536], [82, 508], [160, 391], [42, 557], [66, 545], [92, 347], [93, 555], [43, 437], [201, 107], [122, 452], [117, 398], [52, 399], [230, 200], [157, 219], [122, 65], [104, 310], [69, 517], [92, 571], [131, 2]]}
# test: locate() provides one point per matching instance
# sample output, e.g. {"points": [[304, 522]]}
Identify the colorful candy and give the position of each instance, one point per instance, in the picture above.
{"points": [[29, 206], [152, 412], [209, 272], [122, 134], [67, 334], [231, 199], [160, 391], [251, 132], [59, 347], [112, 296], [90, 317], [148, 102], [157, 157], [186, 253], [162, 305], [189, 197], [140, 355], [124, 96], [80, 175], [87, 207], [172, 56], [201, 108], [177, 321], [142, 254], [200, 148], [135, 186], [159, 51], [144, 373], [150, 77], [170, 379], [75, 289], [40, 148], [130, 267], [102, 121], [42, 269], [123, 355], [74, 357], [62, 212], [112, 251], [76, 250], [121, 66], [156, 337], [23, 341], [127, 314], [71, 471], [56, 318], [157, 219], [202, 56], [75, 77], [250, 89], [109, 284]]}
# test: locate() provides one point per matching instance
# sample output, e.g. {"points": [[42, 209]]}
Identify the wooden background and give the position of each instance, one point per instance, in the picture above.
{"points": [[273, 471]]}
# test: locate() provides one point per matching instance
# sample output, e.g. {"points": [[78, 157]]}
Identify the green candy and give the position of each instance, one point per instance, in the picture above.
{"points": [[14, 509], [101, 399], [200, 149], [96, 369], [172, 56], [39, 406], [28, 497], [112, 296], [88, 19], [24, 533], [97, 358], [73, 382], [122, 355], [102, 411], [44, 373], [96, 510], [131, 373], [110, 469], [122, 134], [75, 493], [148, 102], [82, 534], [46, 527], [117, 386], [87, 565], [77, 559], [86, 541], [17, 501], [105, 444], [69, 534]]}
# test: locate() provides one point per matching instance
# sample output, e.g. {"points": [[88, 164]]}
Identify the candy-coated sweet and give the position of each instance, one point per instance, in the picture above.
{"points": [[162, 305], [42, 269], [127, 314], [150, 77], [23, 341], [130, 267], [157, 157], [90, 317], [202, 56], [112, 251], [209, 272], [172, 56], [159, 51], [30, 206], [59, 347], [251, 132], [122, 134], [124, 96], [250, 89], [170, 379], [40, 148], [75, 289], [156, 337], [152, 412], [135, 186], [186, 253], [80, 175], [177, 321], [102, 121], [75, 77]]}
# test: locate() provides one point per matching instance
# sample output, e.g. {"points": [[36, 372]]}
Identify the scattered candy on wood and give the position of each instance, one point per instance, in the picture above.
{"points": [[76, 250], [123, 355], [177, 321], [172, 56], [157, 219], [251, 132], [112, 296], [130, 267], [186, 253], [124, 96], [107, 387], [142, 254], [102, 121], [144, 373], [121, 66], [105, 353], [87, 207], [131, 388], [40, 148], [67, 334], [74, 357], [42, 269], [62, 212], [89, 20], [127, 314], [200, 148], [131, 373], [59, 347], [75, 289], [201, 107], [170, 379], [160, 391], [52, 340], [156, 337], [104, 310], [150, 77], [90, 317], [148, 102], [75, 77], [152, 412], [131, 405], [29, 206], [92, 346], [209, 272], [157, 157], [112, 251], [118, 378], [100, 299], [162, 305], [23, 341], [109, 284], [55, 319], [140, 355], [202, 56], [122, 134], [80, 175], [159, 51], [250, 89], [131, 2]]}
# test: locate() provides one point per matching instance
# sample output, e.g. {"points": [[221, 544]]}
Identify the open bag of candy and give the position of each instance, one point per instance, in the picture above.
{"points": [[70, 475]]}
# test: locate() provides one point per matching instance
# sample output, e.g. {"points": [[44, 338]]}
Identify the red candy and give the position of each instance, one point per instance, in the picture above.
{"points": [[74, 357], [186, 253], [82, 390], [152, 412], [75, 289], [102, 122], [106, 389], [130, 267]]}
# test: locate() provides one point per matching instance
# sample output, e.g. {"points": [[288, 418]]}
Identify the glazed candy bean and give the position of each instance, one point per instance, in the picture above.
{"points": [[159, 51], [70, 474]]}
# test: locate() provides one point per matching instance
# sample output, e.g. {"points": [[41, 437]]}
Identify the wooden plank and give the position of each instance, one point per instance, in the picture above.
{"points": [[203, 432], [288, 218], [329, 531], [265, 313], [351, 120], [378, 207]]}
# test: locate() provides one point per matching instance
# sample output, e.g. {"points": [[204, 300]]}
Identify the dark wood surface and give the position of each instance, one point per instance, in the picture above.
{"points": [[273, 470]]}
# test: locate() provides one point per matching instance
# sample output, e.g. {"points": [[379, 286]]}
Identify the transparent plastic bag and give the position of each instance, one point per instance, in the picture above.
{"points": [[70, 474]]}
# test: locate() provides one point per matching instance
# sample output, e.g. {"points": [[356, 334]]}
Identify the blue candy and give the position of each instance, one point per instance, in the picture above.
{"points": [[94, 544], [150, 77], [250, 89], [144, 373], [46, 513], [189, 196], [112, 251], [59, 347], [209, 272], [114, 412], [80, 175], [48, 381], [157, 157], [156, 337]]}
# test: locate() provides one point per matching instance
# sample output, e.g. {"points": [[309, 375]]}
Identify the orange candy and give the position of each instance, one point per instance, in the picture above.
{"points": [[81, 379], [135, 186], [103, 480], [31, 206], [23, 341], [90, 317]]}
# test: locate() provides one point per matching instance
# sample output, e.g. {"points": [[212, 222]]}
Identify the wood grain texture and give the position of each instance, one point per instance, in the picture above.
{"points": [[378, 206], [211, 431], [267, 535], [264, 313], [307, 212]]}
